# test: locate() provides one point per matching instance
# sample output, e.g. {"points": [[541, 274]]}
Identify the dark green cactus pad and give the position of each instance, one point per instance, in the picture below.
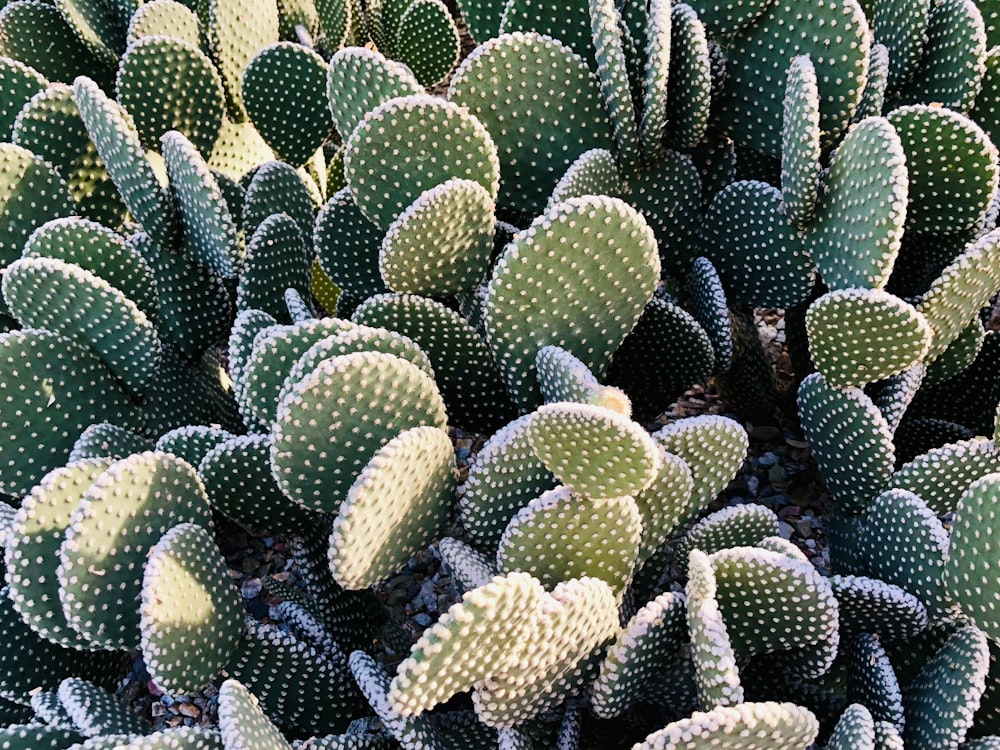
{"points": [[644, 652], [179, 738], [941, 701], [713, 447], [277, 259], [553, 130], [956, 296], [863, 205], [988, 101], [210, 235], [889, 336], [982, 743], [873, 98], [277, 188], [32, 549], [117, 141], [736, 526], [469, 642], [32, 194], [185, 569], [401, 137], [850, 439], [37, 737], [706, 300], [192, 442], [120, 518], [241, 340], [164, 18], [570, 25], [854, 731], [593, 173], [288, 77], [98, 25], [893, 395], [941, 475], [562, 535], [621, 458], [902, 27], [918, 435], [469, 568], [400, 503], [759, 257], [504, 476], [18, 83], [749, 726], [233, 41], [757, 58], [605, 23], [242, 722], [66, 299], [49, 709], [427, 41], [871, 679], [43, 374], [959, 355], [399, 396], [715, 671], [936, 141], [868, 605], [348, 742], [951, 68], [910, 548], [440, 245], [800, 139], [233, 193], [519, 320], [94, 711], [573, 622], [690, 91], [728, 17], [972, 556], [667, 502], [348, 246], [359, 80], [188, 89]]}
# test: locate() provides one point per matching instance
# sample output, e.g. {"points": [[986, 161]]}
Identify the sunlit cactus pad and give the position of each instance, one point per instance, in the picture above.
{"points": [[244, 726], [749, 726], [94, 711]]}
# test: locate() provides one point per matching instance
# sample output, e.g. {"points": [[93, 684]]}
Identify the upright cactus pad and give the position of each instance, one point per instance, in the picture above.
{"points": [[164, 18], [563, 377], [594, 172], [656, 78], [278, 258], [94, 711], [427, 41], [667, 502], [276, 188], [800, 139], [972, 555], [235, 31], [469, 568], [348, 246], [242, 722], [18, 83], [611, 70], [726, 18], [690, 90], [713, 447], [856, 730]]}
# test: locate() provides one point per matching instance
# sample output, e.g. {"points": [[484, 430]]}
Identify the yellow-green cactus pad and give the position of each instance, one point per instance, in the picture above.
{"points": [[242, 722], [667, 502], [236, 31], [748, 726], [164, 18], [941, 475], [713, 447]]}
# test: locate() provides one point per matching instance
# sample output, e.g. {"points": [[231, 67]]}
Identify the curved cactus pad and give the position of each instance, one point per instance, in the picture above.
{"points": [[800, 138], [42, 374], [973, 555], [713, 448], [850, 439], [400, 502], [321, 441], [106, 440], [858, 336], [690, 89], [405, 139], [179, 738], [868, 605], [563, 377], [594, 172], [277, 188], [871, 680], [553, 129], [32, 549], [469, 568], [744, 525], [242, 722], [348, 245], [94, 711], [749, 726], [941, 475], [473, 639], [607, 266], [854, 731], [32, 736], [18, 83], [665, 503], [561, 535], [121, 517], [66, 299], [164, 18], [277, 259], [185, 570], [605, 24], [427, 40]]}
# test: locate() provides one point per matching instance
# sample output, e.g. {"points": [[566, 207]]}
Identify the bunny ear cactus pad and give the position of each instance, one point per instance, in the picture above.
{"points": [[608, 267], [107, 440], [736, 526], [665, 504], [563, 377], [836, 37], [707, 303], [713, 447], [122, 516], [348, 246], [594, 172], [859, 336], [94, 711], [421, 141], [164, 18], [868, 605], [185, 569], [800, 139], [180, 738], [320, 415], [611, 69], [242, 722], [554, 129], [749, 726], [469, 568], [400, 502], [941, 475], [854, 731], [428, 41], [276, 188], [233, 40], [690, 90], [18, 84], [192, 442], [277, 259], [900, 25], [282, 78], [37, 737], [656, 78]]}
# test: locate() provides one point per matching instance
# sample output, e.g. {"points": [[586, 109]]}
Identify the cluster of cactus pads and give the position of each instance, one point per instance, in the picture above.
{"points": [[260, 260]]}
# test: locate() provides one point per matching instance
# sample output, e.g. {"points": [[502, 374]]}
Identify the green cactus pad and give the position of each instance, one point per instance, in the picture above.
{"points": [[656, 78], [854, 731], [277, 259], [105, 440], [188, 91], [951, 68], [563, 377], [192, 442], [43, 374], [117, 141], [570, 25], [690, 92], [288, 77], [593, 173], [400, 502], [759, 257], [936, 141], [179, 738], [725, 18], [94, 711], [66, 299], [893, 395], [850, 439], [910, 548], [665, 504], [868, 605], [469, 642], [519, 319], [902, 28], [959, 355], [37, 737], [736, 526], [863, 205], [241, 340], [889, 336], [234, 39], [716, 674], [988, 101], [440, 244], [941, 475], [758, 56], [164, 18], [941, 701], [800, 139], [98, 25], [210, 237], [562, 535], [611, 70], [706, 300], [972, 555], [348, 246], [277, 188], [185, 569], [871, 679], [120, 517], [32, 548], [469, 568], [873, 99], [553, 130], [18, 84], [49, 709], [399, 395], [713, 447], [965, 286], [572, 622], [242, 722], [749, 726], [238, 149], [427, 41]]}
